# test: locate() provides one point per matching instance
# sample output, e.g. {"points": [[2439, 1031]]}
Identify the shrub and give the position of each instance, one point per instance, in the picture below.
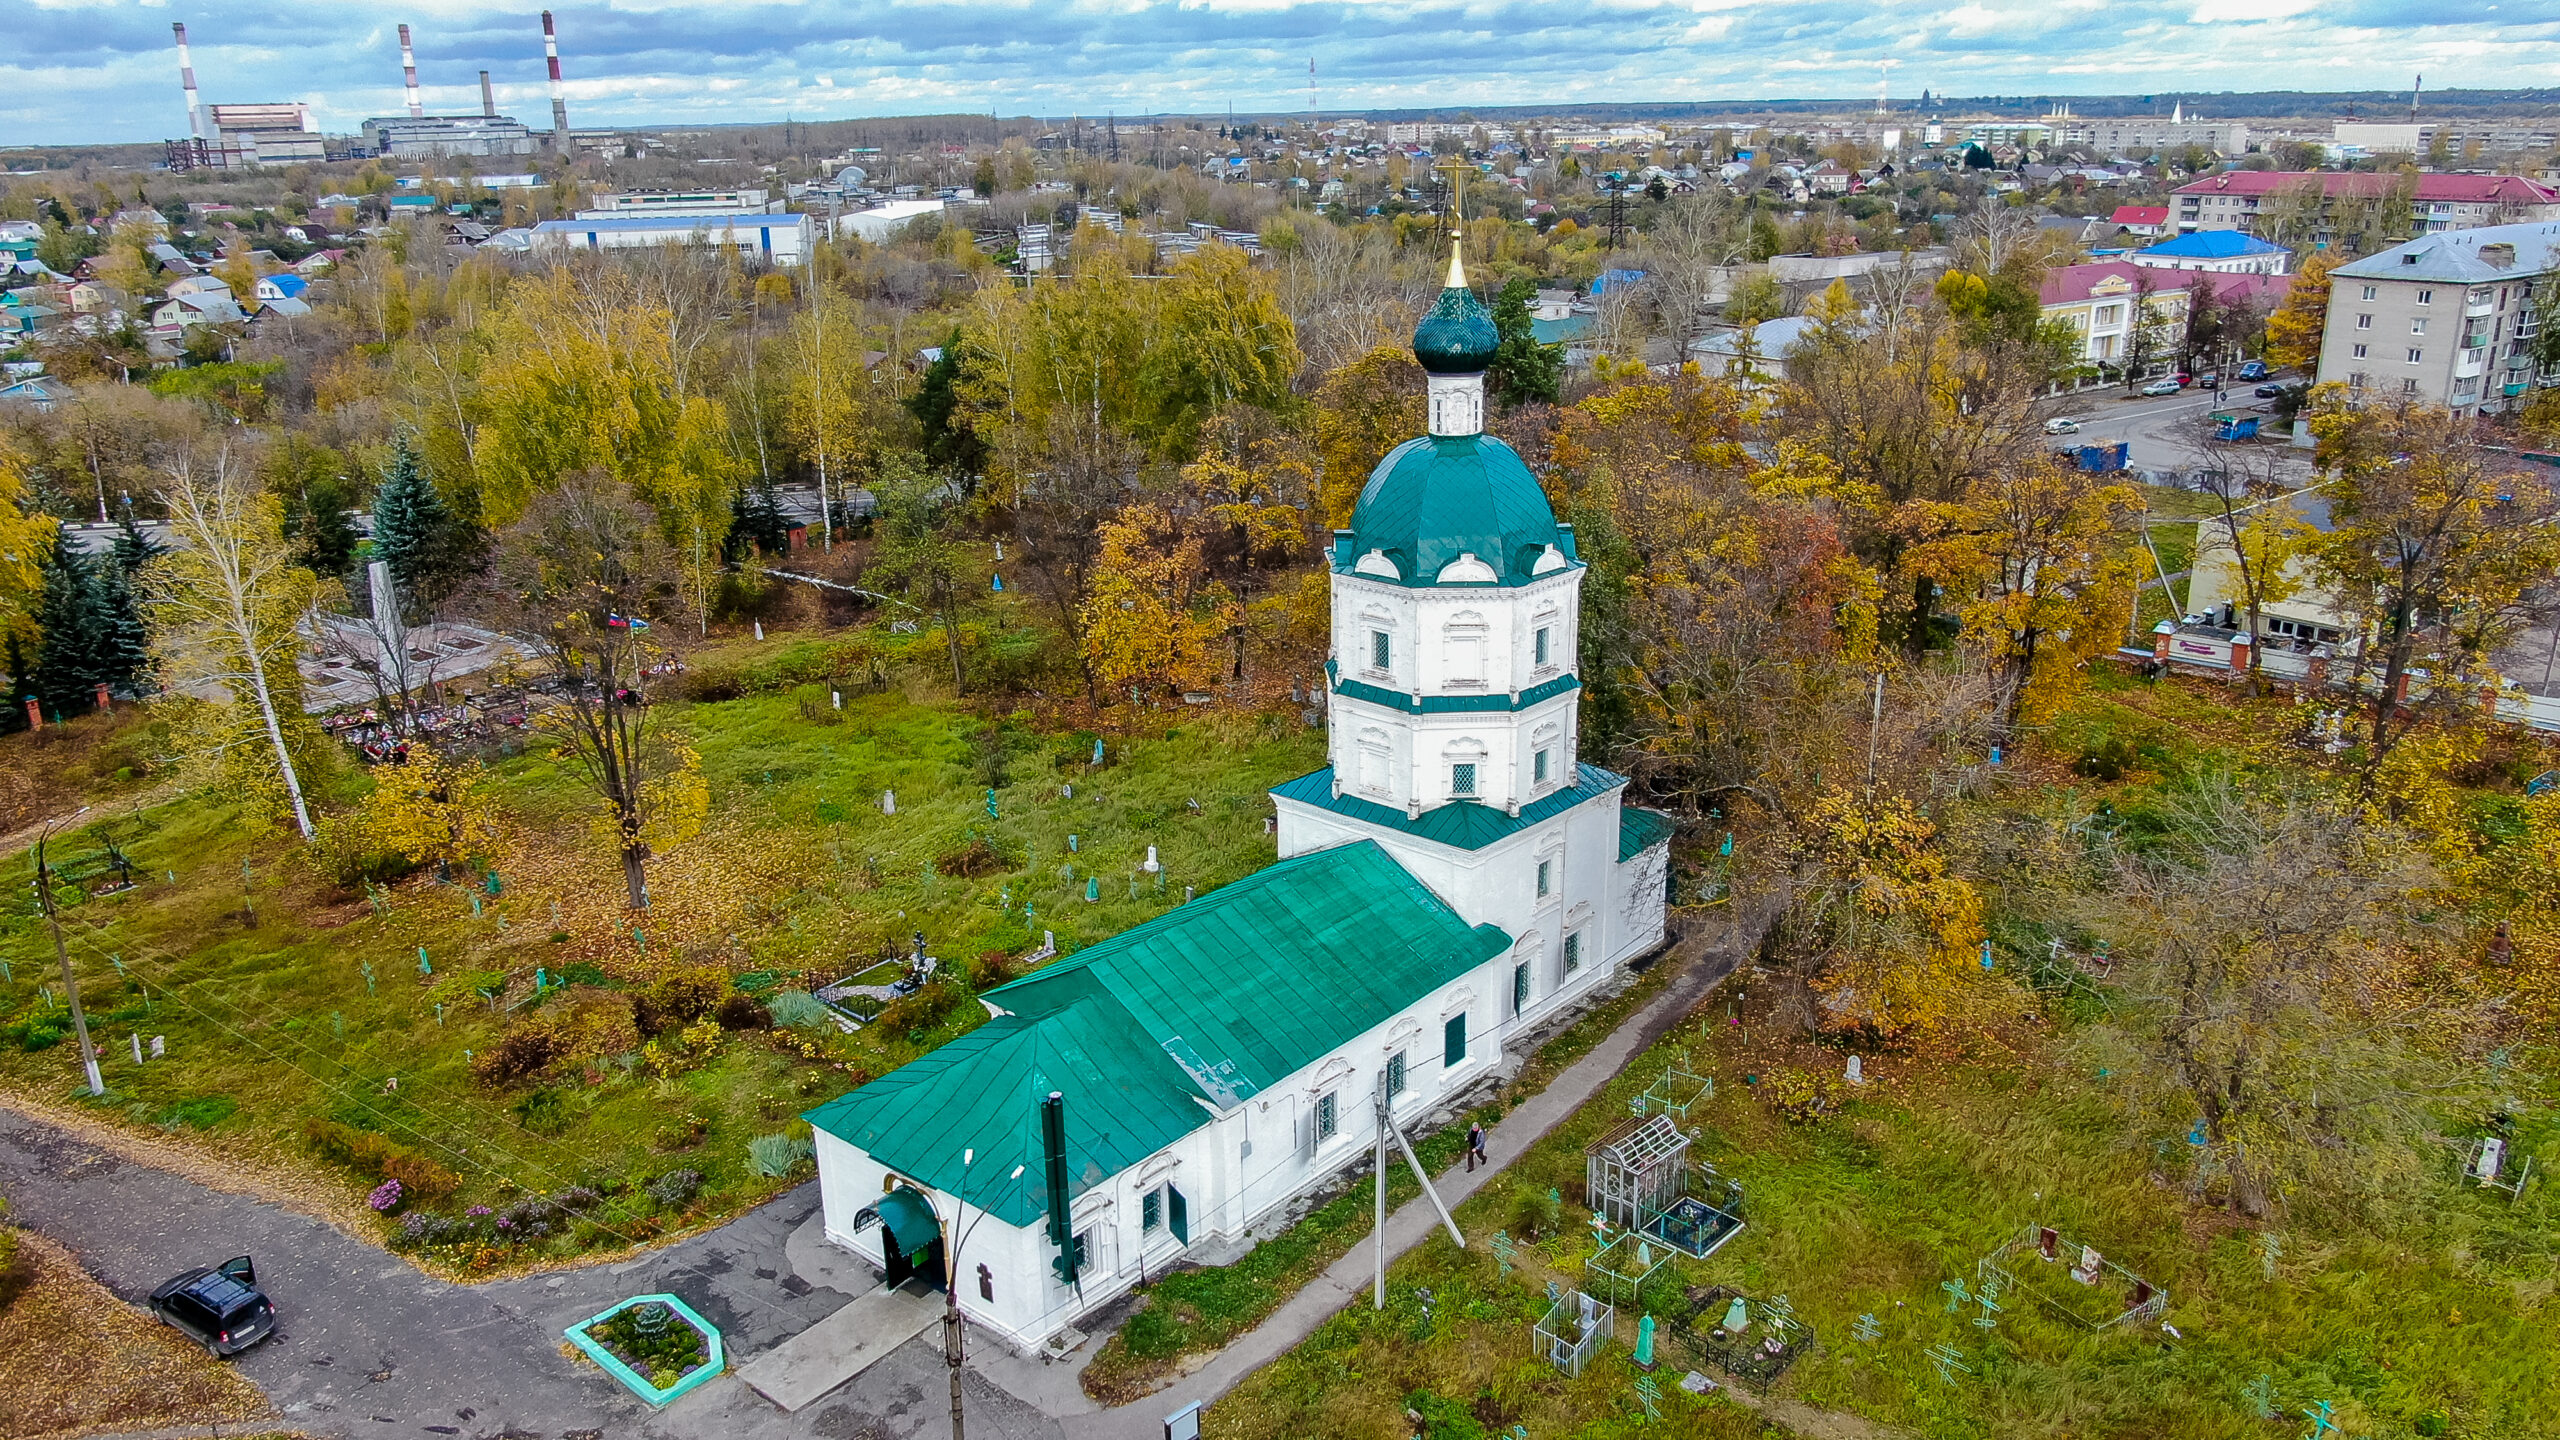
{"points": [[1443, 1418], [992, 968], [41, 1031], [520, 1054], [2108, 760], [775, 1156], [743, 1012], [590, 1024], [378, 1158], [542, 1112], [922, 1010], [1800, 1097], [972, 860], [680, 998], [1535, 1214], [796, 1010], [675, 1189]]}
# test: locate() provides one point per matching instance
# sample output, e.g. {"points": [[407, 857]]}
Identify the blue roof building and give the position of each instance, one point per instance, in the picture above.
{"points": [[2220, 252]]}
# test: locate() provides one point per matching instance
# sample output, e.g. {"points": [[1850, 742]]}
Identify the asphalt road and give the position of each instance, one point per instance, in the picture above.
{"points": [[2168, 433], [366, 1345]]}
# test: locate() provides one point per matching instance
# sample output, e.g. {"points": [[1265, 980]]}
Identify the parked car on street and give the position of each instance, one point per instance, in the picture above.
{"points": [[2253, 370], [2062, 425], [2162, 386], [2268, 392], [219, 1307]]}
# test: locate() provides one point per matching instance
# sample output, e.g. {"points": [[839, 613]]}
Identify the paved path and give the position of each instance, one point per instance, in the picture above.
{"points": [[1705, 958]]}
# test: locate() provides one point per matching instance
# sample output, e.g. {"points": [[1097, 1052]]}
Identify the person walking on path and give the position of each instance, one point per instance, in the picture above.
{"points": [[1475, 1145]]}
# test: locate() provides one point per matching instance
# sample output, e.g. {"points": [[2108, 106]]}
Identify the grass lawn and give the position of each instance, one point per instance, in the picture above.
{"points": [[320, 1010]]}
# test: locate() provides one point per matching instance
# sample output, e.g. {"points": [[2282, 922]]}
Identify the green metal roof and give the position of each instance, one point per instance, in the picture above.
{"points": [[1640, 830], [1139, 1030], [1440, 704], [1461, 826], [1435, 497], [1125, 1100]]}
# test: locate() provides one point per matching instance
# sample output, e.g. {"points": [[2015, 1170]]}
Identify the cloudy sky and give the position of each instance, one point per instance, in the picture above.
{"points": [[105, 70]]}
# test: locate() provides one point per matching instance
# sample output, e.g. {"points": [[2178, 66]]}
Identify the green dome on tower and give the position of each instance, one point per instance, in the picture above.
{"points": [[1438, 498], [1457, 334]]}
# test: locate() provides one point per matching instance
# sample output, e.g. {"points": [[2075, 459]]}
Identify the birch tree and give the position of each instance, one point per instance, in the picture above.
{"points": [[821, 412], [228, 604]]}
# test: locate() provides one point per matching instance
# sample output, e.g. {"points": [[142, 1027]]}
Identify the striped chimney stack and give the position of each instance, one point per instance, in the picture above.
{"points": [[559, 101], [409, 74], [187, 82]]}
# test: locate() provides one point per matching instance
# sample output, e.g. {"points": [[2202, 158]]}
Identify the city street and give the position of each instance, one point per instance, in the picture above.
{"points": [[2170, 434]]}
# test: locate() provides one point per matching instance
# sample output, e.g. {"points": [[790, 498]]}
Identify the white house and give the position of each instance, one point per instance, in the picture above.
{"points": [[1455, 875]]}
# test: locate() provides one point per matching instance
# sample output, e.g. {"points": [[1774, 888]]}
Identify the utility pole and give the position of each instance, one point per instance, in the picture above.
{"points": [[71, 986], [1379, 1234], [952, 1331]]}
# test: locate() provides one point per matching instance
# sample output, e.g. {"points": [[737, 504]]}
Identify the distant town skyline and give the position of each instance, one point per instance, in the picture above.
{"points": [[74, 72]]}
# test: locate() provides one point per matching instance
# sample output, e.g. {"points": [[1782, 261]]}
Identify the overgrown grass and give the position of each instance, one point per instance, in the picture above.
{"points": [[319, 1008], [1201, 1309]]}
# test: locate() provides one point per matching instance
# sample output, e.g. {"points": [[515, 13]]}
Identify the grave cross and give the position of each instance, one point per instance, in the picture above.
{"points": [[1649, 1395], [1956, 1295], [2261, 1396], [2321, 1423], [1503, 1251], [1867, 1328], [2270, 1248], [1949, 1360]]}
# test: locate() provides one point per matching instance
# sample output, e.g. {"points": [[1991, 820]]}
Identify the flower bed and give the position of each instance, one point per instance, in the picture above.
{"points": [[654, 1344]]}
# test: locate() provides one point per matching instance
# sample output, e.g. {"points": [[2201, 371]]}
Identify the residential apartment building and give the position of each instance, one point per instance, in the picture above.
{"points": [[2306, 203], [2443, 319]]}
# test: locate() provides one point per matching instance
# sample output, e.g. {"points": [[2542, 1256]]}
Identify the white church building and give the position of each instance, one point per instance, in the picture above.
{"points": [[1455, 875]]}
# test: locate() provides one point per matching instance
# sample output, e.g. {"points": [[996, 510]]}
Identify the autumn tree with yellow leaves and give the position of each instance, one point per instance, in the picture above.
{"points": [[1885, 932], [1154, 618]]}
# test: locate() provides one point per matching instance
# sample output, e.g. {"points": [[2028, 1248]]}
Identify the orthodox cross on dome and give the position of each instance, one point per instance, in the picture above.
{"points": [[1457, 169]]}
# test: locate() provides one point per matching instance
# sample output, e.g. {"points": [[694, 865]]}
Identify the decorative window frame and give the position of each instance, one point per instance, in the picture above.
{"points": [[1464, 631], [1464, 750], [1374, 743]]}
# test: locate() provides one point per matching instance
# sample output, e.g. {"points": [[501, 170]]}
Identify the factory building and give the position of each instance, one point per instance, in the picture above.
{"points": [[613, 204], [774, 239], [441, 135]]}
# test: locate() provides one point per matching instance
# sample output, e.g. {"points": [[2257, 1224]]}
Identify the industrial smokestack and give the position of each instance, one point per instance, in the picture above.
{"points": [[559, 100], [409, 74], [488, 101], [187, 82]]}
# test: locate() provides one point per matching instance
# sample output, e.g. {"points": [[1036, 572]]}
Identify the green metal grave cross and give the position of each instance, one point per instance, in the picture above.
{"points": [[1949, 1360], [1649, 1395], [2261, 1396], [1867, 1329], [1504, 1252], [1956, 1295], [2321, 1423]]}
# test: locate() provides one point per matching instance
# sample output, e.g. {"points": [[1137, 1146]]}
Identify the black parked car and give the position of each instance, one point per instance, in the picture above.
{"points": [[2268, 392], [220, 1308]]}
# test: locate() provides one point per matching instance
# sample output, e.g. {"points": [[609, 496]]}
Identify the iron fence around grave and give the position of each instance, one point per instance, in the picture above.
{"points": [[2070, 1279], [1747, 1338]]}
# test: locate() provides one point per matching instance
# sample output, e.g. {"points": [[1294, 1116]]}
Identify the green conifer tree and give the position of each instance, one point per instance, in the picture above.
{"points": [[75, 618], [127, 656], [1523, 369], [417, 535]]}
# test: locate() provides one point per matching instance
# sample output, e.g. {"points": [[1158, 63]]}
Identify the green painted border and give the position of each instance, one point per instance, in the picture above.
{"points": [[716, 1357]]}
